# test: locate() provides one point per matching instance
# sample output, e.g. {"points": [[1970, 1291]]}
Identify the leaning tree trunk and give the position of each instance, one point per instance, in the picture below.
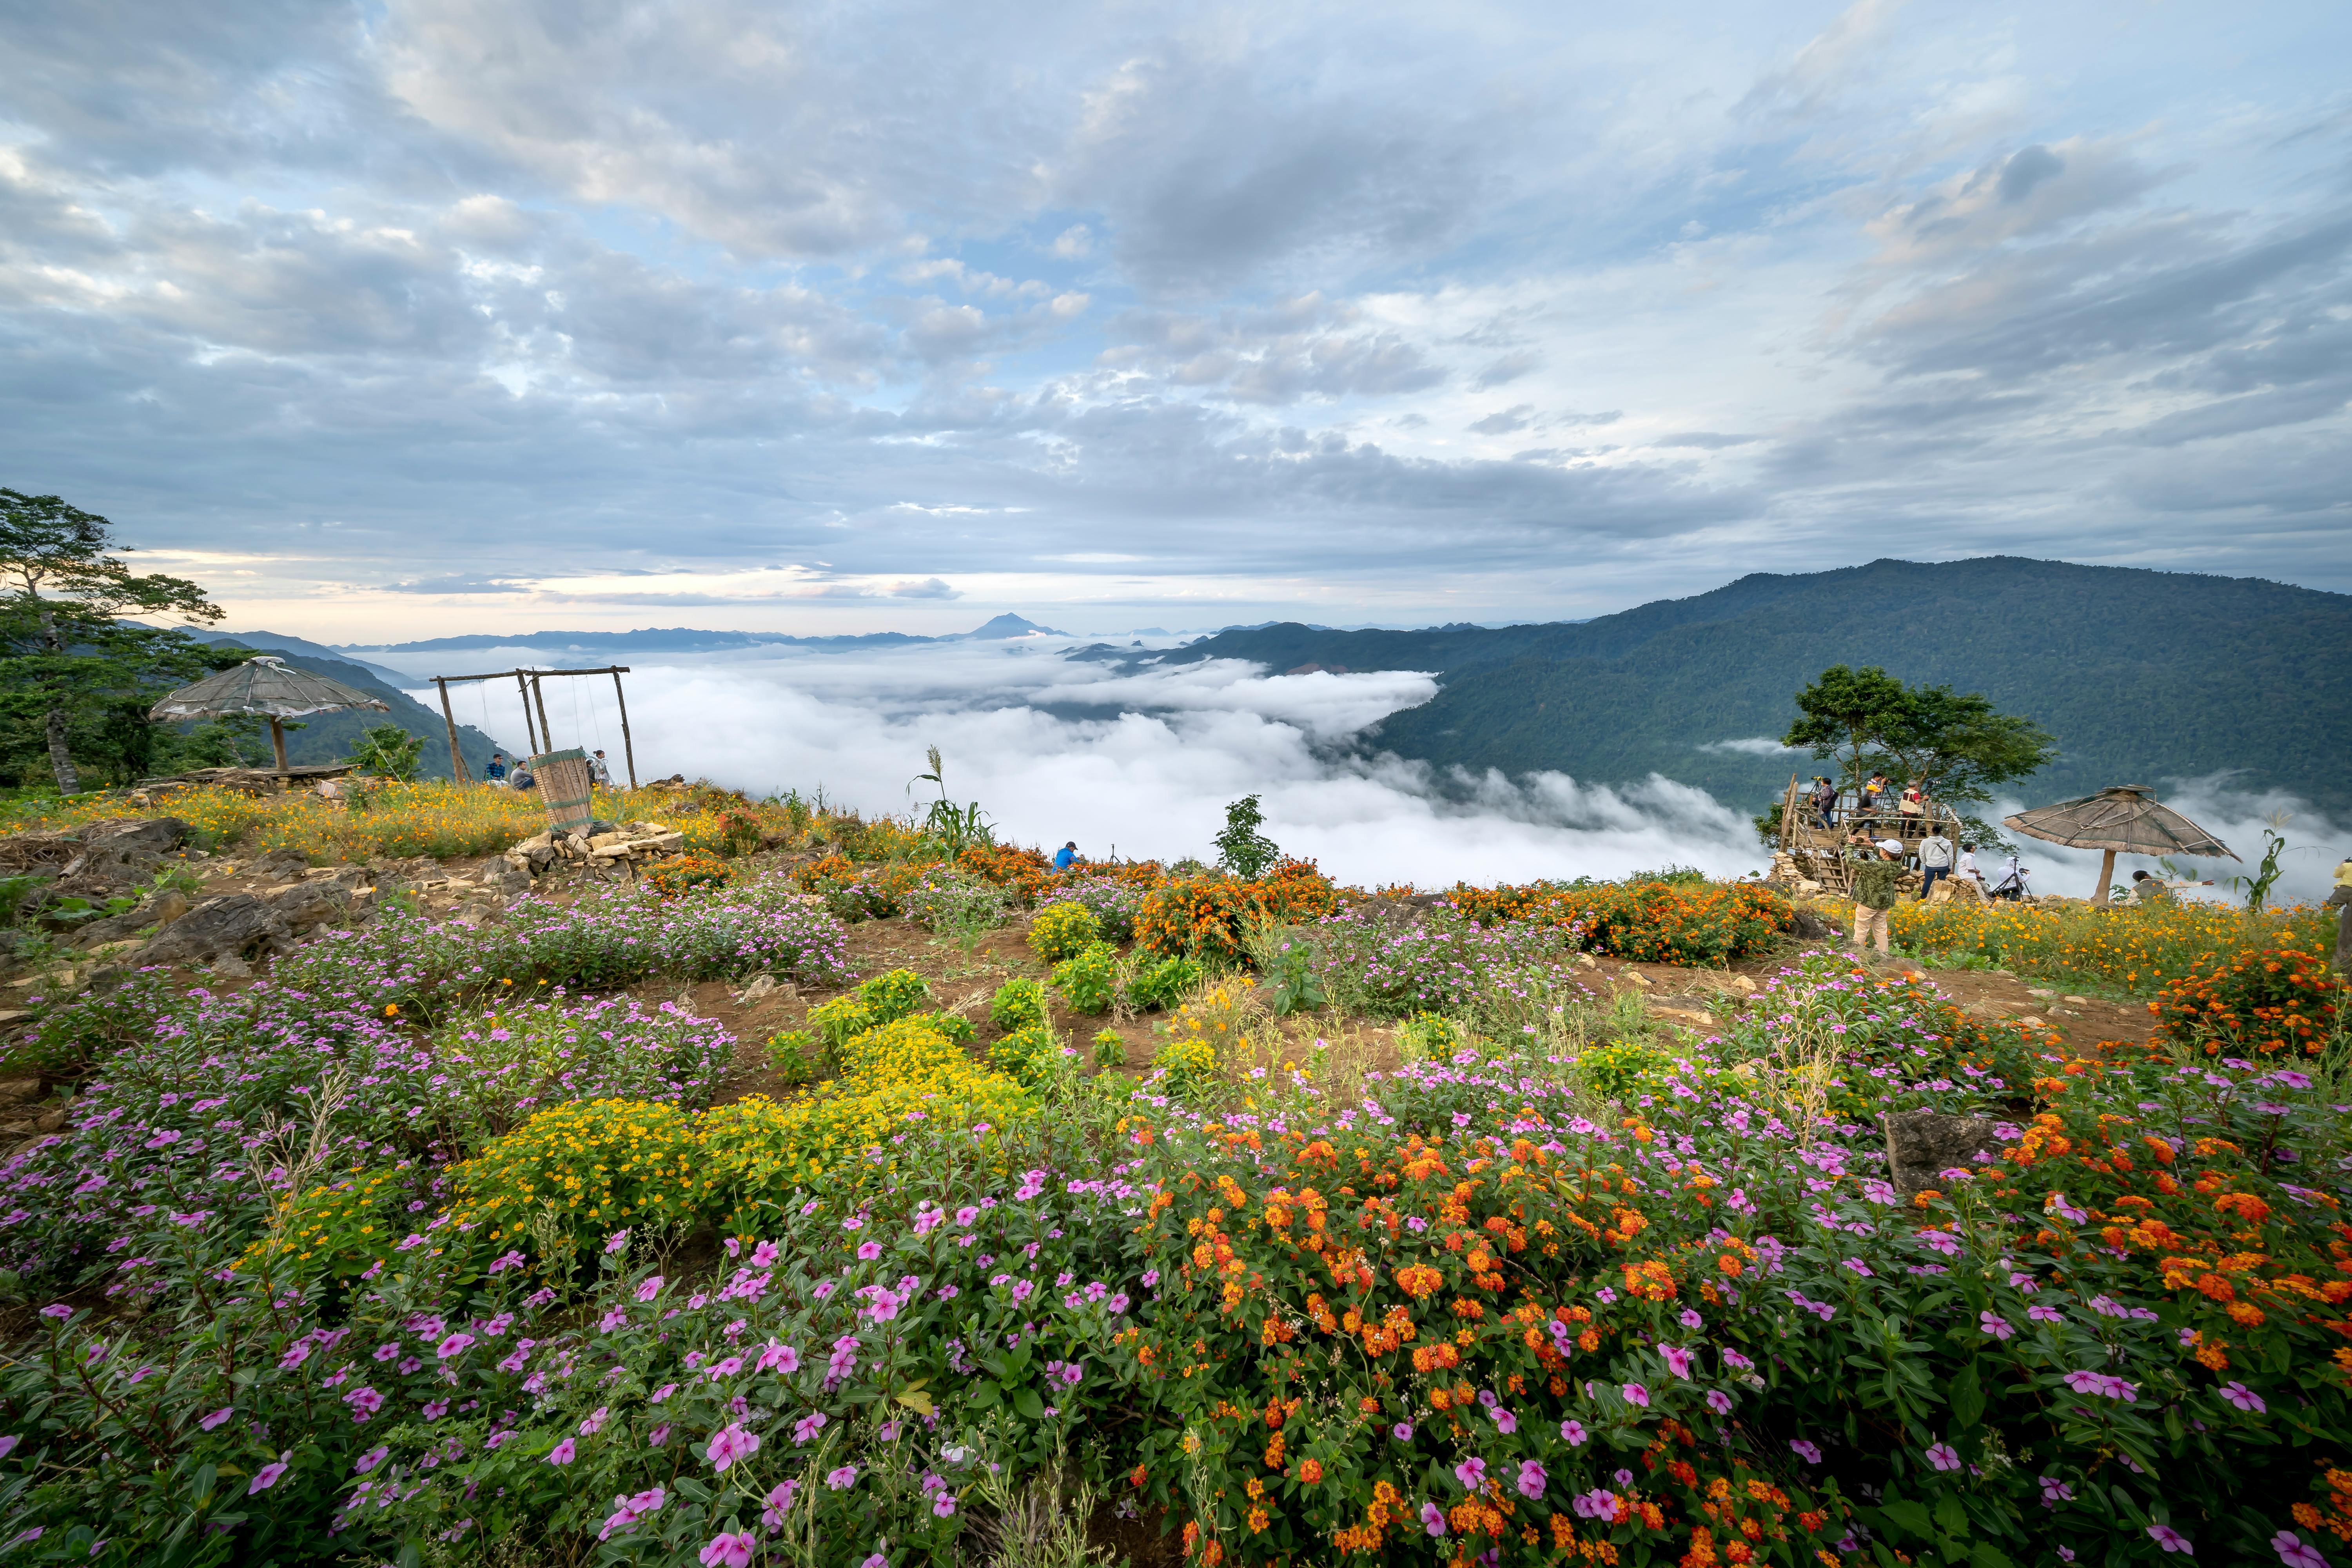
{"points": [[60, 758]]}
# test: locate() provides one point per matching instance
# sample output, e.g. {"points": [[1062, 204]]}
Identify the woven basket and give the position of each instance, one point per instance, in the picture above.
{"points": [[564, 783]]}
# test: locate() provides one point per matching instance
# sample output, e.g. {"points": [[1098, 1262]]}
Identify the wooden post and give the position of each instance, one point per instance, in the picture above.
{"points": [[2106, 876], [528, 735], [277, 744], [546, 734], [628, 750], [457, 758]]}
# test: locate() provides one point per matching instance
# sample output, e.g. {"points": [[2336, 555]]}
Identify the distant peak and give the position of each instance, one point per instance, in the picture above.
{"points": [[1009, 625]]}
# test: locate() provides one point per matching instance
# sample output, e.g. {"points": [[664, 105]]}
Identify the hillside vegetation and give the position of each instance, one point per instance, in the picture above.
{"points": [[2141, 676]]}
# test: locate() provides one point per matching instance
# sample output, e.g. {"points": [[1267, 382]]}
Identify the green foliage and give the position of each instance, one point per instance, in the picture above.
{"points": [[1110, 1051], [1190, 1062], [800, 1057], [1242, 849], [841, 1020], [390, 751], [1030, 1055], [1427, 1037], [2258, 886], [1681, 876], [1297, 985], [892, 996], [1017, 1004], [953, 829], [1613, 1071], [954, 1025], [1165, 982], [77, 670], [1087, 979], [1061, 931]]}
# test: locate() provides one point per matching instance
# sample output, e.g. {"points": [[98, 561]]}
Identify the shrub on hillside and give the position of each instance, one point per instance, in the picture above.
{"points": [[1030, 1055], [1059, 931], [2136, 946], [684, 873], [1088, 978], [1707, 923], [1112, 899], [1161, 983], [1210, 916], [1017, 1004]]}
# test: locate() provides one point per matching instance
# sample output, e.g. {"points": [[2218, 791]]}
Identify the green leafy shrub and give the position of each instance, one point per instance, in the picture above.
{"points": [[895, 995], [1613, 1071], [949, 899], [1190, 1062], [1087, 980], [800, 1057], [1164, 983], [337, 1230], [1110, 1051], [840, 1020], [1017, 1004], [1427, 1037], [1029, 1056], [954, 1025], [1062, 930]]}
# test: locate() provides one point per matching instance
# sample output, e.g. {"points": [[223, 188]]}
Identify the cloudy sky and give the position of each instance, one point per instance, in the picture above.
{"points": [[428, 316]]}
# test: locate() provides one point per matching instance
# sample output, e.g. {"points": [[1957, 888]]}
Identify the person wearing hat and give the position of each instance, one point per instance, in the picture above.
{"points": [[1875, 884], [1066, 856]]}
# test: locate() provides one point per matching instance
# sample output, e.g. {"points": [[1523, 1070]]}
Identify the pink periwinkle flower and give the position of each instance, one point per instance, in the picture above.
{"points": [[563, 1453], [727, 1550], [731, 1443]]}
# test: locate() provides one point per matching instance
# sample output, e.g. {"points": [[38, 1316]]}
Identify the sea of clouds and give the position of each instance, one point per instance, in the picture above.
{"points": [[1144, 762]]}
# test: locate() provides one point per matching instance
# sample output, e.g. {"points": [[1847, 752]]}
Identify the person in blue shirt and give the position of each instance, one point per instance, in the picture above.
{"points": [[1066, 856], [496, 773]]}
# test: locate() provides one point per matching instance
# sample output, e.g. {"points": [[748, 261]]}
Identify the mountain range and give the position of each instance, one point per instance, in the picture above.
{"points": [[2143, 676]]}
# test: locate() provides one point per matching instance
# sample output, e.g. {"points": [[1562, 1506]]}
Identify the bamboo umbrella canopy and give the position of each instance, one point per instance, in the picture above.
{"points": [[263, 685], [2125, 819]]}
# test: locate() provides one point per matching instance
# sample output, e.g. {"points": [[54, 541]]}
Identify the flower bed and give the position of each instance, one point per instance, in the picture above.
{"points": [[2136, 946], [1705, 923]]}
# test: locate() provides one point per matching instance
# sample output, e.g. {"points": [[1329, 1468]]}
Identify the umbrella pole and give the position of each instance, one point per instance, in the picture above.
{"points": [[2106, 876], [277, 744]]}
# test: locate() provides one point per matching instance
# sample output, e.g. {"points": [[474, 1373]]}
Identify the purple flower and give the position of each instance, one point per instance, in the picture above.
{"points": [[650, 1289], [1471, 1473], [1943, 1455], [616, 1241], [218, 1416], [1573, 1434], [1532, 1480], [1433, 1518], [455, 1345], [776, 1357], [843, 1479], [2244, 1398], [731, 1443], [2040, 1312], [595, 1421], [1996, 1325], [1635, 1394], [727, 1550], [944, 1505], [807, 1426], [779, 1502], [2171, 1540], [563, 1453], [1804, 1450], [2295, 1552], [868, 1251], [1596, 1504], [364, 1402], [2054, 1491], [1719, 1402], [370, 1460], [1505, 1422], [266, 1477], [1678, 1362], [1402, 1431]]}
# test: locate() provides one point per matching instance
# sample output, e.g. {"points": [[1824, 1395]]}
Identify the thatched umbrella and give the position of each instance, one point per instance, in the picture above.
{"points": [[2125, 819], [263, 685]]}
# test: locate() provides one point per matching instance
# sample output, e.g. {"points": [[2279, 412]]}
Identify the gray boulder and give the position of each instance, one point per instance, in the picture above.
{"points": [[1922, 1144], [233, 925]]}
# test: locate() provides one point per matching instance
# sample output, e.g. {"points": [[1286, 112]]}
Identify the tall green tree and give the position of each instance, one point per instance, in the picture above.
{"points": [[1958, 745], [1844, 713], [68, 664]]}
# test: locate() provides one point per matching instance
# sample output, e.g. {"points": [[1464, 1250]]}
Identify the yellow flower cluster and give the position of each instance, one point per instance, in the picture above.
{"points": [[894, 1078], [1060, 930], [2136, 946], [434, 818], [594, 1164], [335, 1229]]}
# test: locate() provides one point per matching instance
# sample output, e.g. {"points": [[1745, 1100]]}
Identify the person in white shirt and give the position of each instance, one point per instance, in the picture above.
{"points": [[1935, 860], [1967, 870]]}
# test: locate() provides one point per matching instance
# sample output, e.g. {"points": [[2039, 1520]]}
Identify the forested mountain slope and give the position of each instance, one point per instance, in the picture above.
{"points": [[2142, 676]]}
